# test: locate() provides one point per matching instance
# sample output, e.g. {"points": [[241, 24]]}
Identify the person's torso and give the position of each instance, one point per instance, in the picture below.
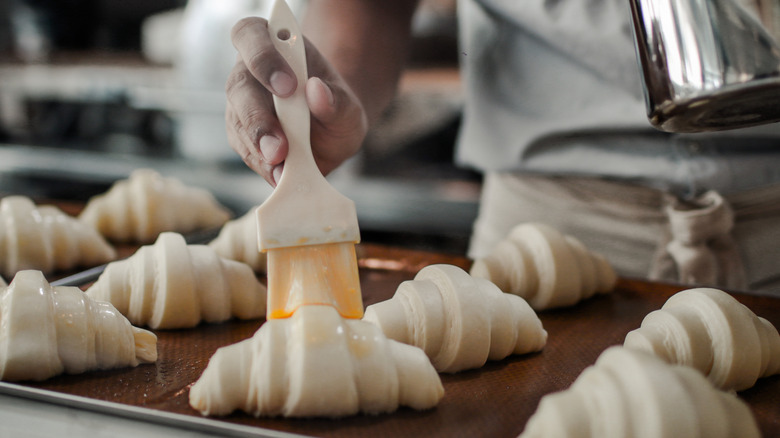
{"points": [[554, 87]]}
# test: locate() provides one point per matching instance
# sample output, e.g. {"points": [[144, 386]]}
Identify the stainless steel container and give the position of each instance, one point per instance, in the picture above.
{"points": [[708, 65]]}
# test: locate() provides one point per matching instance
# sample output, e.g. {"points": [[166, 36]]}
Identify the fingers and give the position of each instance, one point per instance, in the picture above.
{"points": [[251, 38], [241, 144], [253, 130], [322, 102], [339, 124], [254, 108]]}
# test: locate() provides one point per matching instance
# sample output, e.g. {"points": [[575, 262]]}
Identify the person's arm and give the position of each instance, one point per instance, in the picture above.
{"points": [[355, 52]]}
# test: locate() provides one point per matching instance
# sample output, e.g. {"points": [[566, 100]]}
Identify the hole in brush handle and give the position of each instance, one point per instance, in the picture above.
{"points": [[283, 34]]}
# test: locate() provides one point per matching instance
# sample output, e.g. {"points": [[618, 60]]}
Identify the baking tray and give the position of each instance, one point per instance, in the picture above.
{"points": [[495, 400]]}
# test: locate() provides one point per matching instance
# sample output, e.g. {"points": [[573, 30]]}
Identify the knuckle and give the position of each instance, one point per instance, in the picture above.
{"points": [[233, 125], [238, 79], [256, 118], [254, 126], [254, 163], [254, 133], [263, 60], [246, 155], [251, 125], [245, 25]]}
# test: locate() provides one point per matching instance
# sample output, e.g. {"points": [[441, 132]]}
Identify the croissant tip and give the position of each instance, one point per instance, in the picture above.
{"points": [[145, 345]]}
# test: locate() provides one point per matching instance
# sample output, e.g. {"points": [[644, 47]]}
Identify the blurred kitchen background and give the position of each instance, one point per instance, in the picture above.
{"points": [[92, 89]]}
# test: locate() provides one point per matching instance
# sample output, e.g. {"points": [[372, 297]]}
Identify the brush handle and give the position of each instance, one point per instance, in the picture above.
{"points": [[293, 111], [304, 208]]}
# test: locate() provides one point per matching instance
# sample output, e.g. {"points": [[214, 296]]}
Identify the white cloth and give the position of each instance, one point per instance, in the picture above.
{"points": [[555, 117], [553, 87], [731, 241]]}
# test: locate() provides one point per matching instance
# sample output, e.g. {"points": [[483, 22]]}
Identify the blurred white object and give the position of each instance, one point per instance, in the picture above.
{"points": [[205, 57], [31, 40], [160, 36]]}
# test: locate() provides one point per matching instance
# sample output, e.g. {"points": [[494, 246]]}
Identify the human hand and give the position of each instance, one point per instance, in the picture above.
{"points": [[338, 123]]}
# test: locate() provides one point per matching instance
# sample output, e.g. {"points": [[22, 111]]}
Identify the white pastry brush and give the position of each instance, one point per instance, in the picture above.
{"points": [[308, 229]]}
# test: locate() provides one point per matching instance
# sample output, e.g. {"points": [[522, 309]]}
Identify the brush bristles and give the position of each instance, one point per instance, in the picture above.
{"points": [[314, 274]]}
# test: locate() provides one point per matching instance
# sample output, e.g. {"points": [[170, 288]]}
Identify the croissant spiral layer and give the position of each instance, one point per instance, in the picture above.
{"points": [[714, 333], [631, 393], [174, 285], [44, 238], [146, 204], [316, 364], [47, 330], [458, 320], [547, 268], [237, 240]]}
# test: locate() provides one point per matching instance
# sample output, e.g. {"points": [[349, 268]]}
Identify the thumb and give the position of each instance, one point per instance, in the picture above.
{"points": [[339, 124], [335, 106], [322, 102]]}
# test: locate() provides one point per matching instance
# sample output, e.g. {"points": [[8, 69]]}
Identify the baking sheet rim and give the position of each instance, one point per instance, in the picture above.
{"points": [[150, 415]]}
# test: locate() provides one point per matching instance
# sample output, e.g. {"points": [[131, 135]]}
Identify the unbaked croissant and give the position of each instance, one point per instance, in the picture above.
{"points": [[237, 240], [47, 330], [174, 285], [631, 393], [316, 364], [711, 331], [458, 320], [144, 205], [47, 239], [545, 267]]}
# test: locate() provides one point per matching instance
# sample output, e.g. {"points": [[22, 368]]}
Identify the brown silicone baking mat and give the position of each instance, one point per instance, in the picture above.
{"points": [[494, 401]]}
